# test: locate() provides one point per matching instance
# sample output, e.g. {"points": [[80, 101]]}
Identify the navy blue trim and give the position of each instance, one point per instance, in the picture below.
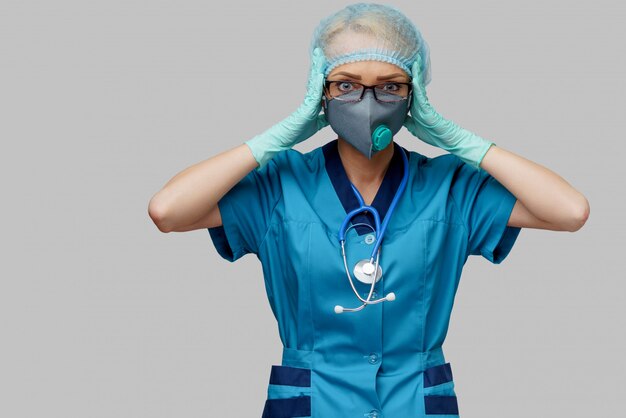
{"points": [[437, 375], [440, 405], [287, 408], [290, 376], [341, 184]]}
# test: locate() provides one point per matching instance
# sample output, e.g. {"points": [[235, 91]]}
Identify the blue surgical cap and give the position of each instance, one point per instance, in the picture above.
{"points": [[370, 31]]}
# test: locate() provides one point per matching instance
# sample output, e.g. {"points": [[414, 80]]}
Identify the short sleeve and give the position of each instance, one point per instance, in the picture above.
{"points": [[246, 210], [485, 206]]}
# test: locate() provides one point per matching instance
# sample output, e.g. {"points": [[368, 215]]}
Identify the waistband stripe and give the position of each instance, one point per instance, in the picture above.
{"points": [[441, 405], [290, 376], [437, 375], [287, 408]]}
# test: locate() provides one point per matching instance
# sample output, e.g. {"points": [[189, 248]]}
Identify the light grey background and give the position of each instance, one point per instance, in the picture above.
{"points": [[102, 102]]}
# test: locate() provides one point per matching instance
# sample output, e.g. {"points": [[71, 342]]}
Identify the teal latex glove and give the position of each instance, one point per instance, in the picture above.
{"points": [[426, 124], [298, 126]]}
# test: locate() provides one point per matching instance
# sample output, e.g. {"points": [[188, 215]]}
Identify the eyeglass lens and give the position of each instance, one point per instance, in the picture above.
{"points": [[349, 90]]}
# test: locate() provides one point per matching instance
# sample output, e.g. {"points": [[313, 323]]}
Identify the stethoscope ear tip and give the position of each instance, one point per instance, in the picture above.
{"points": [[391, 296], [338, 309]]}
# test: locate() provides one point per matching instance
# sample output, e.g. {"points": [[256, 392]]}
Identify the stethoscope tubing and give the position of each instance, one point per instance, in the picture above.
{"points": [[380, 228], [379, 231]]}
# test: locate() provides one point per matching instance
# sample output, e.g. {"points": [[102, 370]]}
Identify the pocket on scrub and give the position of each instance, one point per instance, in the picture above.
{"points": [[288, 393], [439, 395]]}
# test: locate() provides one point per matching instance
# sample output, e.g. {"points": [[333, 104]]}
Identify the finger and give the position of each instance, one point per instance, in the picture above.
{"points": [[315, 84], [418, 85], [318, 62], [409, 123], [318, 59], [316, 87], [322, 122]]}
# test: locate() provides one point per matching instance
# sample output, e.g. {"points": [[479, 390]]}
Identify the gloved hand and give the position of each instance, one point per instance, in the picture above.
{"points": [[426, 124], [298, 126]]}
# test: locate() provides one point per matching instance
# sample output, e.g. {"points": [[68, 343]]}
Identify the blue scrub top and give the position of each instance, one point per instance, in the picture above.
{"points": [[387, 359]]}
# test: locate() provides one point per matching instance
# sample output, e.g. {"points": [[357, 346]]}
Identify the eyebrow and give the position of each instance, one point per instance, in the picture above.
{"points": [[382, 77]]}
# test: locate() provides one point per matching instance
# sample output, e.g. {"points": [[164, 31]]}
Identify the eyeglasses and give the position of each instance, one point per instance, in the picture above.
{"points": [[351, 91]]}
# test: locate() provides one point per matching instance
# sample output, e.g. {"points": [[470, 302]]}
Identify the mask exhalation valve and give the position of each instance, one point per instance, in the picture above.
{"points": [[381, 137]]}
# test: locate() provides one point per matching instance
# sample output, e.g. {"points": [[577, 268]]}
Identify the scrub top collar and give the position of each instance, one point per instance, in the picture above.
{"points": [[341, 184]]}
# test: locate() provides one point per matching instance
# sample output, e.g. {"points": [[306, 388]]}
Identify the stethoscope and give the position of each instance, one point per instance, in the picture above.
{"points": [[368, 271]]}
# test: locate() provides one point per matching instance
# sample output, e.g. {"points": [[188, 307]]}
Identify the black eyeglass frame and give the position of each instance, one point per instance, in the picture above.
{"points": [[408, 96]]}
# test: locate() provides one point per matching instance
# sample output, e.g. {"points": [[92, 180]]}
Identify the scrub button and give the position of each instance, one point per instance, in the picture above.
{"points": [[374, 295], [373, 358], [370, 238]]}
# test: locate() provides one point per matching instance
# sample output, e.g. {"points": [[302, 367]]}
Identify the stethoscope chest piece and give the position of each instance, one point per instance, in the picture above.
{"points": [[364, 271]]}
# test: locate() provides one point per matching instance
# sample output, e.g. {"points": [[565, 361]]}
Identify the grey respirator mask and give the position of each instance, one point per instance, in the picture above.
{"points": [[369, 124]]}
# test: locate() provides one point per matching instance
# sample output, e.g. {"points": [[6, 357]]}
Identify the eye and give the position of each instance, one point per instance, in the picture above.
{"points": [[344, 86], [390, 87]]}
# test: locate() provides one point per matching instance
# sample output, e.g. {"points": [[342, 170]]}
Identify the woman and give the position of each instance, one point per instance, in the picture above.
{"points": [[362, 333]]}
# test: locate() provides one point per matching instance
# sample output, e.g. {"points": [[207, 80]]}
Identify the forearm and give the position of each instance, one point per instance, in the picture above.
{"points": [[544, 193], [193, 192]]}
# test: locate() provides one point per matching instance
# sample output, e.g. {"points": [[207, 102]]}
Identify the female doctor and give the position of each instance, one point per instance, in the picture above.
{"points": [[362, 241]]}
